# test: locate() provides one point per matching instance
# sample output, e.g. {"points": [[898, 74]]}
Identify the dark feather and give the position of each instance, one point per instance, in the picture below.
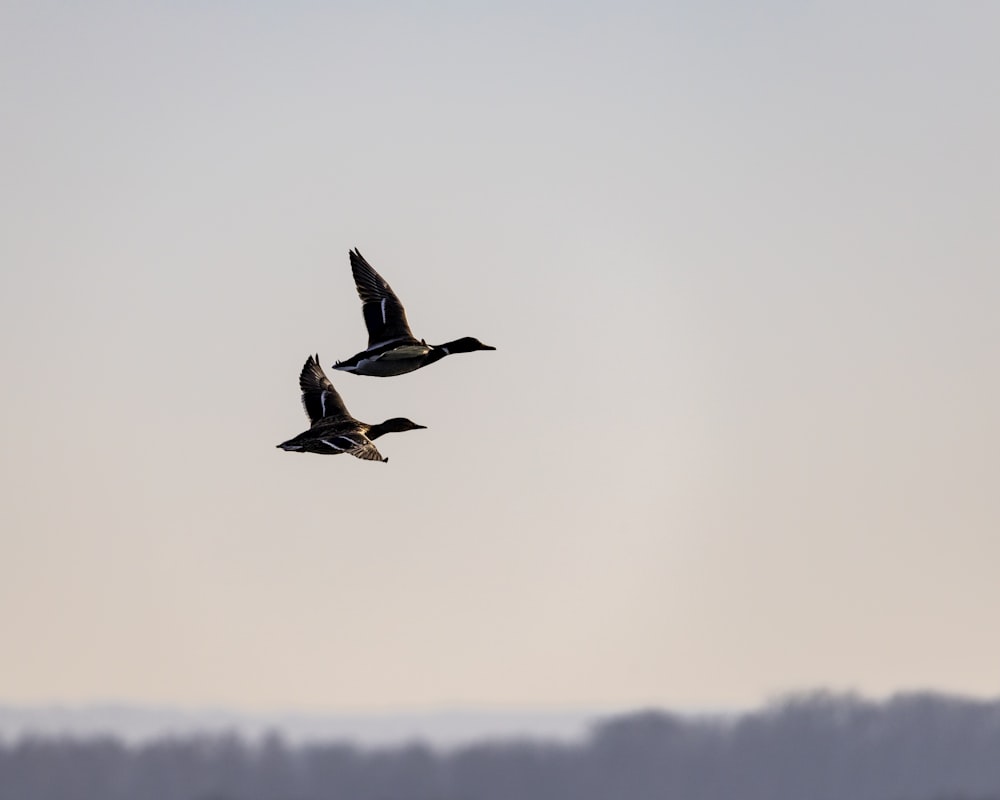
{"points": [[384, 316], [319, 398]]}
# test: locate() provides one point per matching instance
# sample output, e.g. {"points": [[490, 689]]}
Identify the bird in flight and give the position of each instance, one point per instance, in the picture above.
{"points": [[392, 347], [333, 429]]}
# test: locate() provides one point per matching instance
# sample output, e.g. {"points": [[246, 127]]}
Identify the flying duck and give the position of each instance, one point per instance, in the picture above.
{"points": [[392, 348], [333, 429]]}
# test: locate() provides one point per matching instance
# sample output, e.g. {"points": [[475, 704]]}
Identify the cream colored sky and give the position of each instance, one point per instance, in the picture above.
{"points": [[740, 434]]}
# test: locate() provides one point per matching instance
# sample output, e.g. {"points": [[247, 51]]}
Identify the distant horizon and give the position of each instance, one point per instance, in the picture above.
{"points": [[440, 726], [922, 746]]}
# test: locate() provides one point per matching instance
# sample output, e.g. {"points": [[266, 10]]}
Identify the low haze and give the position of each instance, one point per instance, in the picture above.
{"points": [[740, 432]]}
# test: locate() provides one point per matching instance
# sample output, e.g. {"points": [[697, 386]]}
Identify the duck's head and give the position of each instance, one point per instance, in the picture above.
{"points": [[400, 424], [467, 344]]}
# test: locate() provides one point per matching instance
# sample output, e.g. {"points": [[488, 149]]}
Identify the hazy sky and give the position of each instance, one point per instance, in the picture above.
{"points": [[741, 431]]}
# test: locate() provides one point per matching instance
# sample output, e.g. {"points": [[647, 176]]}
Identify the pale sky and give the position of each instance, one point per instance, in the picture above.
{"points": [[740, 435]]}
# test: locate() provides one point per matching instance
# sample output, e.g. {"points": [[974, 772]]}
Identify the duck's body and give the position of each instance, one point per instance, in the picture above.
{"points": [[405, 355], [392, 347], [333, 429]]}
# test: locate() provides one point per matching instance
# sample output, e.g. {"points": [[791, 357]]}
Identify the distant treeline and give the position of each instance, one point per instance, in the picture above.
{"points": [[812, 747]]}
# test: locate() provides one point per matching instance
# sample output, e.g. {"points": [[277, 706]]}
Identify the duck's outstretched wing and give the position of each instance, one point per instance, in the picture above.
{"points": [[353, 442], [319, 398], [383, 313]]}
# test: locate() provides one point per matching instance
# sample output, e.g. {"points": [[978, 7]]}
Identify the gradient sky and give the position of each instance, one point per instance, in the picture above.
{"points": [[741, 431]]}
